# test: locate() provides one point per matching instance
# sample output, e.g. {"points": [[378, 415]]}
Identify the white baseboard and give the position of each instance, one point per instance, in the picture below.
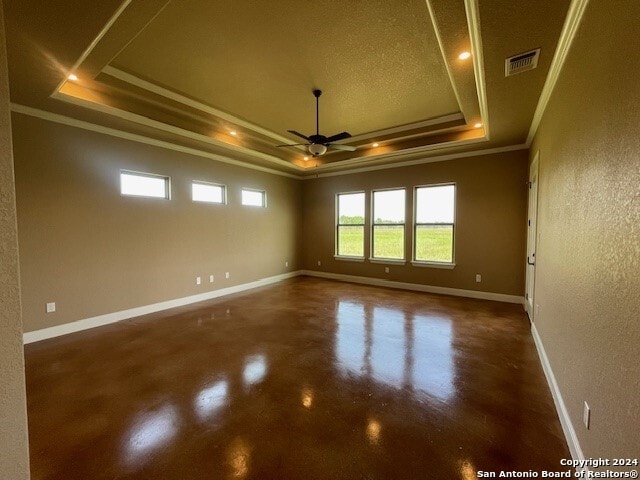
{"points": [[87, 323], [97, 321], [380, 282], [565, 421]]}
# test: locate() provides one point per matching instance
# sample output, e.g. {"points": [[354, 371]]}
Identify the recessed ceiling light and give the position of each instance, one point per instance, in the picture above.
{"points": [[73, 77], [306, 158], [233, 132], [477, 125], [376, 144], [464, 55]]}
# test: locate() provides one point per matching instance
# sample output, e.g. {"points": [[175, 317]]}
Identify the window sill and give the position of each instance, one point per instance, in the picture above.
{"points": [[388, 261], [348, 259], [446, 266]]}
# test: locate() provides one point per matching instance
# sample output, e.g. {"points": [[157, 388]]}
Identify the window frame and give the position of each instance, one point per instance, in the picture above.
{"points": [[390, 260], [416, 224], [257, 190], [166, 178], [210, 184], [354, 258]]}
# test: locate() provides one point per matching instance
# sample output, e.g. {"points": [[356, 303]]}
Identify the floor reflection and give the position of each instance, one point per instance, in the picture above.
{"points": [[388, 346], [373, 431], [433, 367], [151, 431], [238, 457], [396, 348], [254, 370], [467, 471], [350, 339], [211, 399], [307, 397]]}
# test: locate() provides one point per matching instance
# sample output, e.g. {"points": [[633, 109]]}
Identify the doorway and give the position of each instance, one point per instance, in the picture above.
{"points": [[532, 236]]}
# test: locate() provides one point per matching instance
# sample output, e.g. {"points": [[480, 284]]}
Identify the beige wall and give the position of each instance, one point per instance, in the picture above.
{"points": [[93, 251], [490, 222], [14, 456], [588, 267]]}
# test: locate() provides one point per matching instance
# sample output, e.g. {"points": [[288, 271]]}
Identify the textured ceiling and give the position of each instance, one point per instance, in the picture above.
{"points": [[189, 72], [377, 62]]}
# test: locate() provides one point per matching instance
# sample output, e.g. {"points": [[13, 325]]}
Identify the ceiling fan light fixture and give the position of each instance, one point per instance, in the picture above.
{"points": [[317, 149]]}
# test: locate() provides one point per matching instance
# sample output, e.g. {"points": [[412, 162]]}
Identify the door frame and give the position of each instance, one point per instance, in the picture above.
{"points": [[532, 236]]}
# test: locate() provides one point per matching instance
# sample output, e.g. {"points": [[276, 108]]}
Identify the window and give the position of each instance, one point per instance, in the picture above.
{"points": [[387, 238], [144, 184], [350, 225], [434, 224], [253, 198], [208, 192]]}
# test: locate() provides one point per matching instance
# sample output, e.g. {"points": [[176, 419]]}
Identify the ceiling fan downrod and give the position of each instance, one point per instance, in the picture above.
{"points": [[317, 93]]}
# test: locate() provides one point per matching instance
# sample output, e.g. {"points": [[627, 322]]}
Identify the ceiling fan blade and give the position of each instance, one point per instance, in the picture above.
{"points": [[293, 144], [338, 146], [339, 136], [298, 134]]}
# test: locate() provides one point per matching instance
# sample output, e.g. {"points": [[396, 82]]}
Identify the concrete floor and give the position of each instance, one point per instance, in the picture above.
{"points": [[306, 379]]}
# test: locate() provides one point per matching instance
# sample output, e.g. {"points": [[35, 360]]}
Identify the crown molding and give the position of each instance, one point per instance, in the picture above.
{"points": [[569, 30], [409, 163], [203, 107], [473, 20], [436, 30], [452, 117], [354, 162], [184, 100], [95, 41], [72, 122], [146, 121]]}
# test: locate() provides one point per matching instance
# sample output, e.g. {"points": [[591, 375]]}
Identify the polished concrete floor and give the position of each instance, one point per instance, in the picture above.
{"points": [[307, 379]]}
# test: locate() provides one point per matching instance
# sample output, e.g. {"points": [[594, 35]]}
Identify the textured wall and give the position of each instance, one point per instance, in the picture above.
{"points": [[588, 259], [93, 251], [14, 455], [490, 222]]}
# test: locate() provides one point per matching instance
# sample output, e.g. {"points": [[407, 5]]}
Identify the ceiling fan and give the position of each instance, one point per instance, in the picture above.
{"points": [[318, 144]]}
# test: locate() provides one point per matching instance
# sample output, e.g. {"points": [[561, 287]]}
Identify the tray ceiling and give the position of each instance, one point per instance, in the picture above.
{"points": [[230, 79]]}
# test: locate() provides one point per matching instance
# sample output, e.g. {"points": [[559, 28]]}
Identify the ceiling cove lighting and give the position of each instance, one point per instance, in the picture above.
{"points": [[73, 77], [464, 55]]}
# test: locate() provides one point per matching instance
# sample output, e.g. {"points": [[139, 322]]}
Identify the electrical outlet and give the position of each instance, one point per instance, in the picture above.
{"points": [[198, 280], [226, 275], [478, 278], [586, 415], [210, 278], [319, 263], [386, 269], [51, 307]]}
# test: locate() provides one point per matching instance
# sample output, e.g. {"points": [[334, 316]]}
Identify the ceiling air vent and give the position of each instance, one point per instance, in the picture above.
{"points": [[521, 62]]}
